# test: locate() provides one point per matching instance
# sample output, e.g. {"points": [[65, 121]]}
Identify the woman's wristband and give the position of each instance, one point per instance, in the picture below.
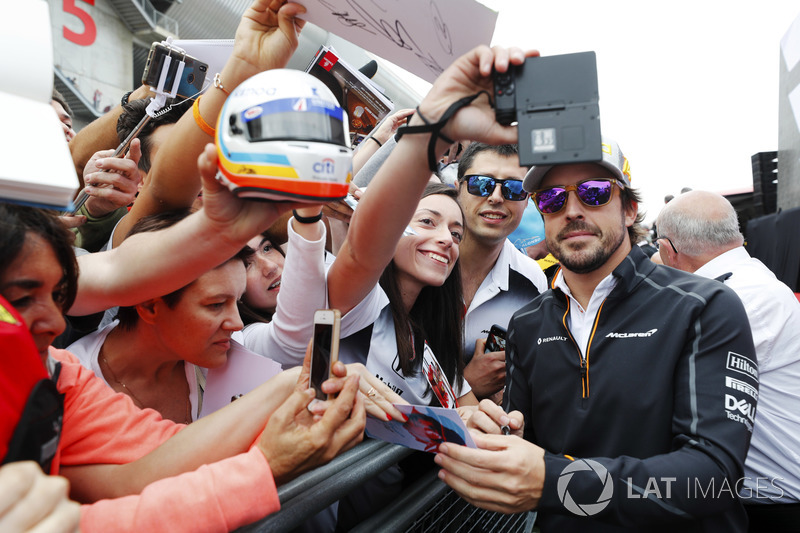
{"points": [[306, 220]]}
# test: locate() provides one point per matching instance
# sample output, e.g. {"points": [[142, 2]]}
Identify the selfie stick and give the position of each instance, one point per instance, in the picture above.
{"points": [[121, 150], [155, 105]]}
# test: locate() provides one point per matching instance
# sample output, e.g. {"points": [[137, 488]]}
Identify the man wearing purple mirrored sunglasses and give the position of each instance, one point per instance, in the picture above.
{"points": [[628, 384]]}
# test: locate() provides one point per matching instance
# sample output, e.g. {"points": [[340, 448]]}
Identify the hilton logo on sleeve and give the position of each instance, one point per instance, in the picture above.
{"points": [[742, 364]]}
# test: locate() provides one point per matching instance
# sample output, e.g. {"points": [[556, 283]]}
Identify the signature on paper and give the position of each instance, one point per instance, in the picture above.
{"points": [[359, 17]]}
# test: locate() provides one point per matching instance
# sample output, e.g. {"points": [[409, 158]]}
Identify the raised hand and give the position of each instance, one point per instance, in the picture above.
{"points": [[468, 75], [112, 182], [267, 34]]}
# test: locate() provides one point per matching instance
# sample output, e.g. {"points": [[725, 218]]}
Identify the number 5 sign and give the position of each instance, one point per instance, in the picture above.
{"points": [[89, 28]]}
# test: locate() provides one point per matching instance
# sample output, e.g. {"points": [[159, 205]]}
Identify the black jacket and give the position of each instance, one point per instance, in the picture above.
{"points": [[661, 405]]}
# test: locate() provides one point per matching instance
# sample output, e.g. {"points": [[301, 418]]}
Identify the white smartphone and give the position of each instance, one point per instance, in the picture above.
{"points": [[351, 201], [324, 348]]}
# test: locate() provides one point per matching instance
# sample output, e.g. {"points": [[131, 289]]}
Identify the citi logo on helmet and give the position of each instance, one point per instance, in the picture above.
{"points": [[326, 166]]}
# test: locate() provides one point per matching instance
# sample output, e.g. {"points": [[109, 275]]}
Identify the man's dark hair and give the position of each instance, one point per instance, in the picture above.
{"points": [[58, 97], [636, 232], [475, 148], [132, 114]]}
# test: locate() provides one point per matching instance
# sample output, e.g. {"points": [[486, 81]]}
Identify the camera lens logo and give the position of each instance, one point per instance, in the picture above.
{"points": [[585, 509]]}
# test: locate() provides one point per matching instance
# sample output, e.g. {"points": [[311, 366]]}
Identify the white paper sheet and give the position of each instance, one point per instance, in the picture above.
{"points": [[422, 36], [243, 372]]}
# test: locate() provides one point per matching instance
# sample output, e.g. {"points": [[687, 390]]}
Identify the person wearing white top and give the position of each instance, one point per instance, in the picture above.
{"points": [[699, 232], [415, 243], [498, 278], [298, 280], [152, 351], [416, 303]]}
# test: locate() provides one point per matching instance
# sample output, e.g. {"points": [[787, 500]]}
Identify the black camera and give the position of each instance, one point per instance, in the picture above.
{"points": [[554, 101]]}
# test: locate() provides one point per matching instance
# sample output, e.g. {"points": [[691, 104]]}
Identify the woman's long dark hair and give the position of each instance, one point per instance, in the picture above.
{"points": [[249, 314], [436, 316]]}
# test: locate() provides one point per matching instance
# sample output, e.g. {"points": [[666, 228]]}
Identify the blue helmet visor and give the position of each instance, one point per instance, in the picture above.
{"points": [[301, 119]]}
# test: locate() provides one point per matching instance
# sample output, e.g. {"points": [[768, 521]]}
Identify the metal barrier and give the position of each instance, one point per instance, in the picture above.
{"points": [[427, 505]]}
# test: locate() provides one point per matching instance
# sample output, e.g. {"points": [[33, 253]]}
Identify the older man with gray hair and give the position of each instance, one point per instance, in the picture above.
{"points": [[699, 232]]}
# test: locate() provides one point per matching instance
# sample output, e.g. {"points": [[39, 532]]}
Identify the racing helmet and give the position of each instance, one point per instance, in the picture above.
{"points": [[282, 135]]}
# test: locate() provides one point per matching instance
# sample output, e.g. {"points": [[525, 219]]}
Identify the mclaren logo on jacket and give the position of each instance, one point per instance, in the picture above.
{"points": [[615, 335]]}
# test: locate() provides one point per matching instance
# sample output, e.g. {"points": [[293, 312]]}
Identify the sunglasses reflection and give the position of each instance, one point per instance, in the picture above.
{"points": [[478, 185], [595, 192]]}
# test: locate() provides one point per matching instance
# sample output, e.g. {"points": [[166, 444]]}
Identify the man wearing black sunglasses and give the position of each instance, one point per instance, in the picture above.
{"points": [[624, 380], [497, 278]]}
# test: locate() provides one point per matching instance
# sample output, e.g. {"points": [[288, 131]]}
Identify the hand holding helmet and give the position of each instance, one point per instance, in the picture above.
{"points": [[235, 219]]}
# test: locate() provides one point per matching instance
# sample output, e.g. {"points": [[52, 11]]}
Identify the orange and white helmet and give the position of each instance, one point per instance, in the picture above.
{"points": [[282, 135]]}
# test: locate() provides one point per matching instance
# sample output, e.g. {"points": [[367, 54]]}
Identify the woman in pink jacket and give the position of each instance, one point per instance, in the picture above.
{"points": [[140, 470]]}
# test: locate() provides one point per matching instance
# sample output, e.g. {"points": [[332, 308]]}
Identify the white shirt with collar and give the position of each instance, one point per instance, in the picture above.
{"points": [[774, 315], [580, 321], [494, 303]]}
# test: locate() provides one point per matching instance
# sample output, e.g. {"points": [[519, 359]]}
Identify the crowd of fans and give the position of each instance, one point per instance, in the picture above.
{"points": [[630, 396]]}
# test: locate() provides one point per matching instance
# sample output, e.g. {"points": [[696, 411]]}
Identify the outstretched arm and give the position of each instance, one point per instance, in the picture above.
{"points": [[392, 197], [121, 454], [265, 39], [136, 269]]}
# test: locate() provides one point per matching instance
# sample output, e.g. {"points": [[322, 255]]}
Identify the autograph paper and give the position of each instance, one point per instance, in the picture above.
{"points": [[422, 36]]}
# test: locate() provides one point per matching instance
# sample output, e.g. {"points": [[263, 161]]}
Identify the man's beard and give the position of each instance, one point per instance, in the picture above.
{"points": [[589, 257]]}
